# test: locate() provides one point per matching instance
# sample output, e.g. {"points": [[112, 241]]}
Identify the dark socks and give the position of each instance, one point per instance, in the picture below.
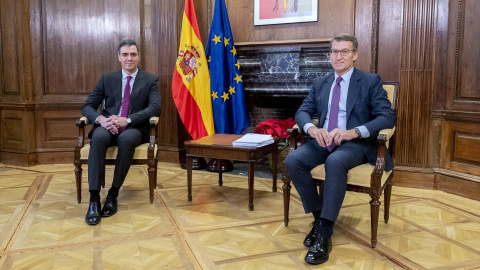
{"points": [[113, 192], [326, 228], [94, 195]]}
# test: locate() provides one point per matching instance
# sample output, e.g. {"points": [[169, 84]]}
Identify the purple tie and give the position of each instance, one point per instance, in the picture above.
{"points": [[126, 101], [333, 117]]}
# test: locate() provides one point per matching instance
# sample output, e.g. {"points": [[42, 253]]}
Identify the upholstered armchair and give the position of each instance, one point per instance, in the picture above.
{"points": [[366, 178], [144, 154]]}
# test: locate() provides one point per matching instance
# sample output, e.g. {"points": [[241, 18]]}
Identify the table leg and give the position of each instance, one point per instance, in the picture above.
{"points": [[220, 180], [251, 174], [274, 169], [189, 177]]}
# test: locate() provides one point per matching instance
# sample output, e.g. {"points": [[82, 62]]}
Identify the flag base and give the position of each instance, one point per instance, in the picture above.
{"points": [[227, 165], [198, 163]]}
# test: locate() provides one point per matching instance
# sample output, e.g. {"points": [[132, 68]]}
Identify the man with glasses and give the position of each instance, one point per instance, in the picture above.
{"points": [[352, 108]]}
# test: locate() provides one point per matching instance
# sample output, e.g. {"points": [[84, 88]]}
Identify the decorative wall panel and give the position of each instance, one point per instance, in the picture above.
{"points": [[416, 76], [79, 43], [464, 56], [461, 145]]}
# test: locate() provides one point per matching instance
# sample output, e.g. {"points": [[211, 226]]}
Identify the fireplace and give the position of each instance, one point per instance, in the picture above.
{"points": [[277, 79]]}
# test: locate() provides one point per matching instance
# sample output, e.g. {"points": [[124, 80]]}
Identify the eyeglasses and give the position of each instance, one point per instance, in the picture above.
{"points": [[342, 52]]}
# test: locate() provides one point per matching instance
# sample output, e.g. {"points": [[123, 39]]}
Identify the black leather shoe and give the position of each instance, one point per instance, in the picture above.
{"points": [[319, 252], [110, 207], [313, 234], [93, 213]]}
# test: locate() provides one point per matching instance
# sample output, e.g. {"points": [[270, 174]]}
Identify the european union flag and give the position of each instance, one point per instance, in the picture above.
{"points": [[228, 95]]}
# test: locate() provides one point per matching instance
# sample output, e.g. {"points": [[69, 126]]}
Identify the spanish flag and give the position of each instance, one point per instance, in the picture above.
{"points": [[191, 79]]}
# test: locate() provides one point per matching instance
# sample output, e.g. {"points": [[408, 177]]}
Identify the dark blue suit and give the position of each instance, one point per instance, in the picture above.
{"points": [[367, 105], [144, 103]]}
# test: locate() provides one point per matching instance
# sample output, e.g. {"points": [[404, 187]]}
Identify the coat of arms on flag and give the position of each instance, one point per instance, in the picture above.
{"points": [[187, 59]]}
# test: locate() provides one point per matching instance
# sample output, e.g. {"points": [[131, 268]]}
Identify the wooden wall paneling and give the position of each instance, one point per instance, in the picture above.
{"points": [[416, 80], [458, 184], [18, 130], [414, 178], [389, 40], [463, 56], [328, 25], [461, 147], [364, 10], [56, 130], [439, 83], [79, 43], [16, 53]]}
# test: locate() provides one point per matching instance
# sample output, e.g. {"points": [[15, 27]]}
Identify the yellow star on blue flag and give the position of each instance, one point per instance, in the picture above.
{"points": [[230, 113]]}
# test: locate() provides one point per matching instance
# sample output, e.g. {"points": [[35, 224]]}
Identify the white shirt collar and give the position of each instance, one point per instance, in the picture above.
{"points": [[124, 75], [346, 76]]}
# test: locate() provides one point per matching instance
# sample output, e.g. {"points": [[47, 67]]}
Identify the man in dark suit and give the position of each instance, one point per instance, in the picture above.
{"points": [[352, 108], [130, 97]]}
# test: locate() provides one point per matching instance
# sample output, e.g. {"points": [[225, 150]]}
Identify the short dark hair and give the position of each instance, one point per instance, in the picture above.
{"points": [[345, 37], [128, 43]]}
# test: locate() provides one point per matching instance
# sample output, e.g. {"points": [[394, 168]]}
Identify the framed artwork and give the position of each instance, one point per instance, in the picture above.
{"points": [[284, 11]]}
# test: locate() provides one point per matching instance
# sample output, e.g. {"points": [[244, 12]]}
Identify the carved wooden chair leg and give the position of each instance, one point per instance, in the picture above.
{"points": [[151, 178], [286, 198], [374, 213], [387, 195], [156, 172], [78, 179], [320, 190]]}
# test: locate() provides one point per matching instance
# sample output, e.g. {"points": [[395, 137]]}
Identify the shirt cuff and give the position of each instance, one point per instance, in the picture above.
{"points": [[96, 122], [364, 131], [307, 126]]}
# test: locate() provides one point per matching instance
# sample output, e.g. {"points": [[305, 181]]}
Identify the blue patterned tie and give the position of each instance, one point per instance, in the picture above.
{"points": [[333, 117]]}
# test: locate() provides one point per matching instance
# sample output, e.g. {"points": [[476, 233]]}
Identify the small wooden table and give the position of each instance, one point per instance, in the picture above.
{"points": [[219, 146]]}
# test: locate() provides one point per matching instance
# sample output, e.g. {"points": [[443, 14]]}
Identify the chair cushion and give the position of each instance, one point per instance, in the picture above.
{"points": [[140, 152], [359, 175]]}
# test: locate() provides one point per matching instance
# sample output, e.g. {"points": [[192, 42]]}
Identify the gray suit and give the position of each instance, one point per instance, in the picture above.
{"points": [[368, 105], [144, 103]]}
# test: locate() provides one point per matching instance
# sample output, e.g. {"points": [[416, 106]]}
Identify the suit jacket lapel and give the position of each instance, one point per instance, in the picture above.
{"points": [[117, 90], [324, 97], [353, 91]]}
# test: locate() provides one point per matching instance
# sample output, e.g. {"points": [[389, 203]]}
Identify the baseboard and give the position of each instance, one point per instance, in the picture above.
{"points": [[463, 185]]}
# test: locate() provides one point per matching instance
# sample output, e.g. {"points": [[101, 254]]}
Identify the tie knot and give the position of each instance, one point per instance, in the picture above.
{"points": [[129, 78], [339, 79]]}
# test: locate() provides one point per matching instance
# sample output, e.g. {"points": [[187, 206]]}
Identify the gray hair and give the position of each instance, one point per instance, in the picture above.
{"points": [[345, 37]]}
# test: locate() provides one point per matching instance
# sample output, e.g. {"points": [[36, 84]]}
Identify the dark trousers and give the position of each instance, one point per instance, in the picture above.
{"points": [[100, 141], [300, 162]]}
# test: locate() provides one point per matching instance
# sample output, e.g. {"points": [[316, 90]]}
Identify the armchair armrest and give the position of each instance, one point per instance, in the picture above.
{"points": [[294, 137], [81, 123], [383, 136], [386, 133], [153, 132]]}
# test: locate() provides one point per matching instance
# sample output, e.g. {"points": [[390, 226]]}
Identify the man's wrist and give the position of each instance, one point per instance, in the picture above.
{"points": [[129, 121], [359, 133]]}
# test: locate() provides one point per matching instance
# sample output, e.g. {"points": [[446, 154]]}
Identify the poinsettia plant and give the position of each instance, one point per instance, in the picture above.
{"points": [[276, 127]]}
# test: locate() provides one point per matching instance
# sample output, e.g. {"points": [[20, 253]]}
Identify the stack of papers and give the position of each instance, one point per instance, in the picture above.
{"points": [[253, 140]]}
